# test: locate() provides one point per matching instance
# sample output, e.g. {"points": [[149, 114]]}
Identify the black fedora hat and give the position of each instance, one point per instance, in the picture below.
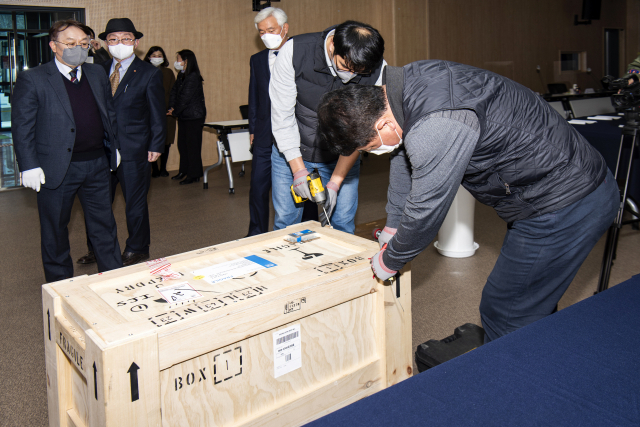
{"points": [[116, 25]]}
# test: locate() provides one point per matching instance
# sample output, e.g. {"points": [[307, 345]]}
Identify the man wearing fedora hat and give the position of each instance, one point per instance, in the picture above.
{"points": [[138, 98]]}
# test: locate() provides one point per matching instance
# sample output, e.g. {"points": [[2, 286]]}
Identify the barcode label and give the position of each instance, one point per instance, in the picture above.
{"points": [[287, 338], [287, 350]]}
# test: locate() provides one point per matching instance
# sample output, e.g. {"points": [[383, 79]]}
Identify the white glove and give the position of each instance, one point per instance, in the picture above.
{"points": [[300, 185], [379, 269], [386, 235], [32, 178]]}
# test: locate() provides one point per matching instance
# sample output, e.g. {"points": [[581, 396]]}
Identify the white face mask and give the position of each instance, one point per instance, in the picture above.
{"points": [[385, 148], [121, 51], [272, 41], [178, 66], [156, 61], [345, 76]]}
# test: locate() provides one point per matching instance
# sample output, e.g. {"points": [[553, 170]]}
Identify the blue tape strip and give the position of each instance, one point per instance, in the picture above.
{"points": [[261, 261]]}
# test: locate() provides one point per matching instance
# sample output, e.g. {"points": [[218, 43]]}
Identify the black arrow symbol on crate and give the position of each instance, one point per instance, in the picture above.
{"points": [[95, 380], [49, 324], [133, 376]]}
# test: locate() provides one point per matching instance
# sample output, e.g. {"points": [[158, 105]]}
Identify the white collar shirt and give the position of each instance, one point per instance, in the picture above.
{"points": [[64, 70], [124, 65]]}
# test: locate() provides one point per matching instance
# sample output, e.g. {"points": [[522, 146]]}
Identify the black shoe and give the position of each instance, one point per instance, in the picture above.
{"points": [[189, 181], [155, 174], [89, 258], [179, 176], [130, 258], [164, 173]]}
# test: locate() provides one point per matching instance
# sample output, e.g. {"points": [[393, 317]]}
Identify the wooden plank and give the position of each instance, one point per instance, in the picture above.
{"points": [[107, 300], [329, 398], [96, 379], [195, 339], [398, 329], [249, 292], [219, 388], [56, 364], [71, 341], [128, 382], [74, 420]]}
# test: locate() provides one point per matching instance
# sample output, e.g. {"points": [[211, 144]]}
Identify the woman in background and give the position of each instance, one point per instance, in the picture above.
{"points": [[156, 57], [187, 104]]}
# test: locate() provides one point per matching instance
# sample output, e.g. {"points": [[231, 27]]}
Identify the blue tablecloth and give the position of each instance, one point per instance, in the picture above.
{"points": [[605, 137], [578, 367]]}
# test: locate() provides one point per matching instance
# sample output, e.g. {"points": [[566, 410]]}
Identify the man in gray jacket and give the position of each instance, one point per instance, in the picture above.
{"points": [[446, 124]]}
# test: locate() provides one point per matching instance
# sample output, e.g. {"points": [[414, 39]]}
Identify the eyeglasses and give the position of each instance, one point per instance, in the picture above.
{"points": [[72, 45], [114, 41]]}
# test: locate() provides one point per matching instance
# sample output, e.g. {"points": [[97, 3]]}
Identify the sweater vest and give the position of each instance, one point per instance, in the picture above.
{"points": [[89, 128], [313, 79], [528, 160]]}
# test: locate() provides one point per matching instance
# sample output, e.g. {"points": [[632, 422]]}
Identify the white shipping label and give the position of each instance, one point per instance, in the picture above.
{"points": [[287, 350], [230, 269], [178, 293]]}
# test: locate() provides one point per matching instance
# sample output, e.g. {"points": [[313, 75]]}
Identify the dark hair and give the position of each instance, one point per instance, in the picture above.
{"points": [[360, 45], [60, 26], [192, 62], [347, 117], [91, 33], [154, 49]]}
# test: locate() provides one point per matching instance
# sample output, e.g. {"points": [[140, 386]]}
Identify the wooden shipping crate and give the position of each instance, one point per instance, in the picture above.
{"points": [[300, 331]]}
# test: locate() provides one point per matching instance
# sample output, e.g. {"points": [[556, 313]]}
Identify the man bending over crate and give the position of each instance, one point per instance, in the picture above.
{"points": [[445, 124]]}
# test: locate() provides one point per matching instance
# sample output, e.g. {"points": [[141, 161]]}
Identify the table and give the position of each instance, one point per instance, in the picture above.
{"points": [[605, 137], [224, 129], [577, 367]]}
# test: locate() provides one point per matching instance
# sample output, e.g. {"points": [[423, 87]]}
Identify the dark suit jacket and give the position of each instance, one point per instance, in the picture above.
{"points": [[42, 121], [140, 110], [259, 101]]}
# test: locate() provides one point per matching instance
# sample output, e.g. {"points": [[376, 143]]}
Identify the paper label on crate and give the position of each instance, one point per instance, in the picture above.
{"points": [[180, 292], [230, 269], [287, 350]]}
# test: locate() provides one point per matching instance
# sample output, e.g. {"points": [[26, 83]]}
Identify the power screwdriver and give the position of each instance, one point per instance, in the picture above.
{"points": [[318, 193]]}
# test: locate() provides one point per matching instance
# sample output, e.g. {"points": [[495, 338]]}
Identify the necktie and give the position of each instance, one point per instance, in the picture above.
{"points": [[115, 78], [275, 52], [74, 75]]}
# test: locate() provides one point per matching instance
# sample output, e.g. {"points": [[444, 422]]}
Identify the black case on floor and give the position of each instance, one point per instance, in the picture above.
{"points": [[434, 352]]}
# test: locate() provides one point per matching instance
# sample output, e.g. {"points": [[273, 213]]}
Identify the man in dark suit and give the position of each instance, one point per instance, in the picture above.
{"points": [[138, 98], [63, 124], [272, 26]]}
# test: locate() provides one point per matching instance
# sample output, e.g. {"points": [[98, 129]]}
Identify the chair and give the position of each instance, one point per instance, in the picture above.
{"points": [[557, 105], [591, 106]]}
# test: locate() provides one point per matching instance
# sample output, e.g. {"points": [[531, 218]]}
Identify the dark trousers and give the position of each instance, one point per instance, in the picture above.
{"points": [[90, 181], [135, 179], [259, 191], [539, 259], [162, 160], [190, 147]]}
